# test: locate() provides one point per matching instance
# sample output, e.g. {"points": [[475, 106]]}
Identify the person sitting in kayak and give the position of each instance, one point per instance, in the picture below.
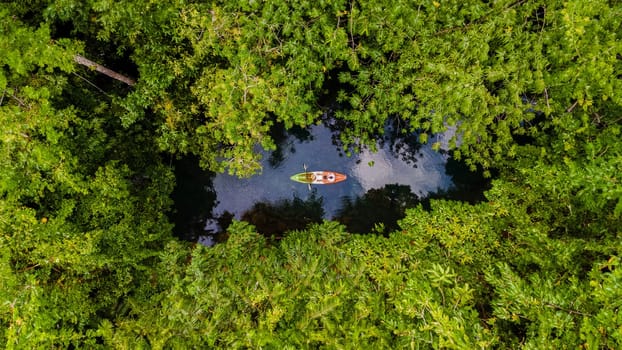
{"points": [[318, 177]]}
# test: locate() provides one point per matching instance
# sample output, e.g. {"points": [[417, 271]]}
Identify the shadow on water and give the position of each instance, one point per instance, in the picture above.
{"points": [[274, 219], [283, 140], [468, 186], [194, 197], [401, 142], [396, 136], [378, 210]]}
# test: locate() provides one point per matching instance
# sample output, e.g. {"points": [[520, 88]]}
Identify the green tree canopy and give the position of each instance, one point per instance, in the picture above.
{"points": [[533, 89], [218, 75], [82, 199]]}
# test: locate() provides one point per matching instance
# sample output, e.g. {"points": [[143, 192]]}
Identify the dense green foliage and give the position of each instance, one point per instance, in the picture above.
{"points": [[87, 258]]}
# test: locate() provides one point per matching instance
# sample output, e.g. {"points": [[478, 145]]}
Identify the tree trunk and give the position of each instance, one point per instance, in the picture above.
{"points": [[98, 67]]}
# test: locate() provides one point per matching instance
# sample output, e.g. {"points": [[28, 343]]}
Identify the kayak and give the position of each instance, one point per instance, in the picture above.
{"points": [[319, 177]]}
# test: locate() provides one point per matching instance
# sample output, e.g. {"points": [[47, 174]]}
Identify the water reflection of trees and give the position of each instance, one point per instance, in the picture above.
{"points": [[284, 143], [468, 186], [194, 197], [401, 141], [274, 219], [397, 137], [378, 210]]}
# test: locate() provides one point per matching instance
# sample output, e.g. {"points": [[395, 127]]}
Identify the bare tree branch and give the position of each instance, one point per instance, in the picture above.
{"points": [[91, 83], [569, 109], [546, 96], [98, 67]]}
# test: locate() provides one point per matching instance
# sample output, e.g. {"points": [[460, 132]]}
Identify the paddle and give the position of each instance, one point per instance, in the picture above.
{"points": [[305, 167]]}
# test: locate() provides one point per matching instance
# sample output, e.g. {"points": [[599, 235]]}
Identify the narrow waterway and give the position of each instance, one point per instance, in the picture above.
{"points": [[365, 171], [421, 170]]}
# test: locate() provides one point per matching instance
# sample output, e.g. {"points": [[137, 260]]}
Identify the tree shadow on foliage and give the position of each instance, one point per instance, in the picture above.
{"points": [[273, 220]]}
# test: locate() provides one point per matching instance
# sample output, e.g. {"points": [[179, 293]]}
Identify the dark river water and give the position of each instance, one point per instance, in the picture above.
{"points": [[396, 176]]}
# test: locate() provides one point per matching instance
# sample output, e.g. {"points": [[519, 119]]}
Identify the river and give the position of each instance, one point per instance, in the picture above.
{"points": [[423, 171]]}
